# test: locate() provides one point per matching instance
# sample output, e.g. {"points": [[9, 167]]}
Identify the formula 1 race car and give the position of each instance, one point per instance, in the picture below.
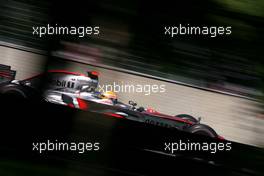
{"points": [[79, 91], [183, 122]]}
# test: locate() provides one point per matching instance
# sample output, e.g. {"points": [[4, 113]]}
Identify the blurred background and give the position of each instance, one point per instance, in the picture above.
{"points": [[219, 79]]}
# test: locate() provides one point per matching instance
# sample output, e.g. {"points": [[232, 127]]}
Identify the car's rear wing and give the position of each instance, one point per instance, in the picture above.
{"points": [[6, 74]]}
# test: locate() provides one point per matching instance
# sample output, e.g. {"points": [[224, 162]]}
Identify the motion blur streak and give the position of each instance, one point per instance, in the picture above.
{"points": [[132, 38]]}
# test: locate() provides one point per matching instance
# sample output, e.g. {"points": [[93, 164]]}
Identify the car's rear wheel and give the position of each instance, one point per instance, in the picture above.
{"points": [[13, 92], [187, 117]]}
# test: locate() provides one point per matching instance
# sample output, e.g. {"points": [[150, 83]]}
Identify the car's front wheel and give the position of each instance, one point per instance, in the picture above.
{"points": [[187, 117], [202, 129]]}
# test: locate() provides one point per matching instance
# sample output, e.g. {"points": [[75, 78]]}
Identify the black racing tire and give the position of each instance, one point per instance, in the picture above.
{"points": [[14, 91], [202, 129], [187, 117]]}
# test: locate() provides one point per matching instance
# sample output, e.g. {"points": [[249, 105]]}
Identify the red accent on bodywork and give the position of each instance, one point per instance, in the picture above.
{"points": [[60, 71], [114, 115], [150, 110], [82, 104], [5, 75], [66, 72], [95, 73], [220, 138], [70, 105], [164, 116], [35, 76]]}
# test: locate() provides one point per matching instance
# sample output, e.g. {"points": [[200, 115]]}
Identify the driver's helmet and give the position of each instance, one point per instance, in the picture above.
{"points": [[109, 95]]}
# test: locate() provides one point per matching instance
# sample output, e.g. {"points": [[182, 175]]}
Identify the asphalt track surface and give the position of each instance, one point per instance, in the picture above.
{"points": [[126, 147]]}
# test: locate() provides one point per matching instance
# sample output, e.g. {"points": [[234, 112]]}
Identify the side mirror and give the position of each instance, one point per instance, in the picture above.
{"points": [[141, 109], [132, 103], [199, 119]]}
